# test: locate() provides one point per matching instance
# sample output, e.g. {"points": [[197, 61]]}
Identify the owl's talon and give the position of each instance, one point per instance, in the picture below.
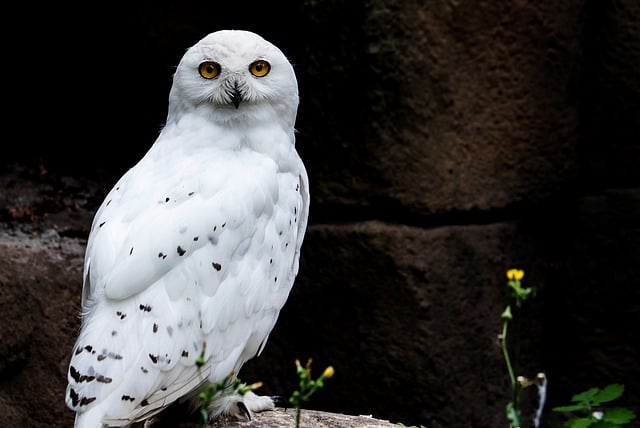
{"points": [[244, 409], [279, 401]]}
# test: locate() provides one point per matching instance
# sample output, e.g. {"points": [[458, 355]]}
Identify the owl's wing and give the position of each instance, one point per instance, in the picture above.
{"points": [[127, 257], [210, 259], [302, 186], [151, 222]]}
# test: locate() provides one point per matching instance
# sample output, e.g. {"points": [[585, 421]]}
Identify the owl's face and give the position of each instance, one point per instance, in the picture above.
{"points": [[232, 74]]}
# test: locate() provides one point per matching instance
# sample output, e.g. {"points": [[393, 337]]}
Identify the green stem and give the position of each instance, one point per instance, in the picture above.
{"points": [[512, 378], [516, 355], [505, 352], [297, 417]]}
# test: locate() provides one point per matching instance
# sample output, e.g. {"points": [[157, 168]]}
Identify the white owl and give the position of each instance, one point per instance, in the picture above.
{"points": [[195, 249]]}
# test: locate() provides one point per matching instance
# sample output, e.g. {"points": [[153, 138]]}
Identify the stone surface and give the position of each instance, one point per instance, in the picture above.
{"points": [[280, 418], [445, 142], [286, 418], [40, 277]]}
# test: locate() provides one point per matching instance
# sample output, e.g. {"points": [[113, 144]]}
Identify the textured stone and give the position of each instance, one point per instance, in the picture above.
{"points": [[408, 317], [468, 107], [281, 418], [40, 279], [446, 142]]}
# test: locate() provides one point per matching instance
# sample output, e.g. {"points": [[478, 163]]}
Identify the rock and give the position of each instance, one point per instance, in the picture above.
{"points": [[280, 418], [40, 283], [446, 142]]}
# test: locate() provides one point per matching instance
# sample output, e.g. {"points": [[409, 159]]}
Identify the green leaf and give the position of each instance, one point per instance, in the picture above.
{"points": [[570, 408], [619, 415], [609, 393], [602, 424], [585, 396], [580, 422], [512, 415]]}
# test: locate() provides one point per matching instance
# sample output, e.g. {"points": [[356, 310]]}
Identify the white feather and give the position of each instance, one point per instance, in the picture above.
{"points": [[195, 249]]}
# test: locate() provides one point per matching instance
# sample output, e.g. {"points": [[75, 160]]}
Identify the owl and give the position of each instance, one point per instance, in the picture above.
{"points": [[194, 251]]}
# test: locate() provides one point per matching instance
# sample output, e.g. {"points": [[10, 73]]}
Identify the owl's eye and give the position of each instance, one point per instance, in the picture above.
{"points": [[209, 69], [260, 68]]}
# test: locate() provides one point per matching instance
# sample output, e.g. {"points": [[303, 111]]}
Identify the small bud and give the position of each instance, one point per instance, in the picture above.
{"points": [[524, 382], [506, 315], [328, 372]]}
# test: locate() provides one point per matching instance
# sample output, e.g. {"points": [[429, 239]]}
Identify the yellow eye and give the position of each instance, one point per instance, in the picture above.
{"points": [[260, 68], [209, 69]]}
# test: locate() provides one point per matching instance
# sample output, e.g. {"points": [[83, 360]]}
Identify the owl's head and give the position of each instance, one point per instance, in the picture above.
{"points": [[234, 75]]}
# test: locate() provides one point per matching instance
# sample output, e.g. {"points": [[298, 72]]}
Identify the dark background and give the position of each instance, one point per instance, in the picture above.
{"points": [[445, 144]]}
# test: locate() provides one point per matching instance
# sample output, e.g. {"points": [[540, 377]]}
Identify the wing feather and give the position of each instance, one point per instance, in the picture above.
{"points": [[195, 249], [229, 274]]}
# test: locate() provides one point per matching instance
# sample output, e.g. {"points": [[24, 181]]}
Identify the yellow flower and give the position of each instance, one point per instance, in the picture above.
{"points": [[328, 372], [516, 274]]}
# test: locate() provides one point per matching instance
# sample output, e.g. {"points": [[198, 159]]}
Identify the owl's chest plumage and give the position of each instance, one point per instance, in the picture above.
{"points": [[192, 254]]}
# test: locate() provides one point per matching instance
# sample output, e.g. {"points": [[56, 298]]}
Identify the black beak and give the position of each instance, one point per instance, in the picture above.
{"points": [[236, 96]]}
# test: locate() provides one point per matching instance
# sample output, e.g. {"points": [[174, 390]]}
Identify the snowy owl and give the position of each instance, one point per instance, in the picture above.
{"points": [[195, 249]]}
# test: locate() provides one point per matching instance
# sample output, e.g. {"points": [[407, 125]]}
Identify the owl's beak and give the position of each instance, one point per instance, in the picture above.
{"points": [[235, 95]]}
